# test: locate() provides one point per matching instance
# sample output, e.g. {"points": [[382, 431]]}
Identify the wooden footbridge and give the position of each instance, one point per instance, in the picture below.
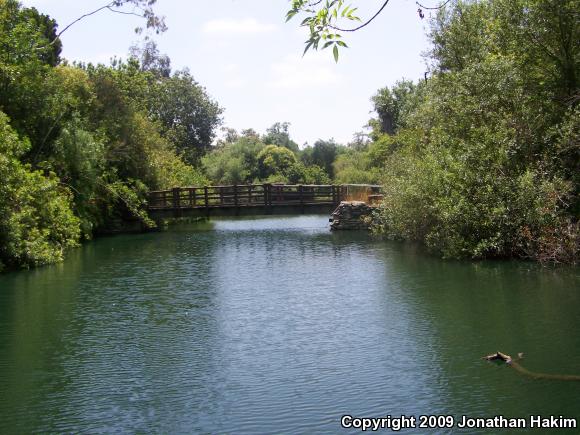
{"points": [[255, 199]]}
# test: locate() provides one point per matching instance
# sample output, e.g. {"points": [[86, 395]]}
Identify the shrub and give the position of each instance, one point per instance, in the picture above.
{"points": [[37, 224]]}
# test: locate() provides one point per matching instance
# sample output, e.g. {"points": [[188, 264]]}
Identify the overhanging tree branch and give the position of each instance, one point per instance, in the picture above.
{"points": [[364, 24], [153, 21], [435, 8], [323, 21], [82, 17], [124, 13]]}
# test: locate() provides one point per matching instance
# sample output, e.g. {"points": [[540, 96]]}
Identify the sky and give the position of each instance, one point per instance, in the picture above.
{"points": [[250, 60]]}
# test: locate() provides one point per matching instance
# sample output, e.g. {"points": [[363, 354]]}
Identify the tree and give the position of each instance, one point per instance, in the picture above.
{"points": [[541, 36], [298, 173], [48, 28], [359, 142], [187, 114], [151, 59], [322, 154], [278, 134], [392, 104], [234, 162], [26, 57], [275, 160], [230, 135], [188, 117], [456, 36]]}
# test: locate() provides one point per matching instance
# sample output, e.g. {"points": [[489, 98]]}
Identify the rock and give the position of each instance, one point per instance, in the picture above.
{"points": [[351, 215]]}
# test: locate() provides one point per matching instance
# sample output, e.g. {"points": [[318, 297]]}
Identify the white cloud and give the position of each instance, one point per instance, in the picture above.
{"points": [[230, 26], [296, 72]]}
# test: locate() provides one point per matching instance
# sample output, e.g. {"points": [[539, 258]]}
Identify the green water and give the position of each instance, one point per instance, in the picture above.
{"points": [[277, 326]]}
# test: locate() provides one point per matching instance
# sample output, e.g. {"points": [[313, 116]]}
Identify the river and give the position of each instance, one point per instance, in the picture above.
{"points": [[277, 325]]}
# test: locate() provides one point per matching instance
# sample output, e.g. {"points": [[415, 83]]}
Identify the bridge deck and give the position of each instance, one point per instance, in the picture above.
{"points": [[253, 196]]}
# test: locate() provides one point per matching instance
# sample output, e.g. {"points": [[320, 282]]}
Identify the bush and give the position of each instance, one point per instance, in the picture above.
{"points": [[300, 174], [234, 163], [37, 224], [485, 159], [275, 160], [459, 211], [356, 167]]}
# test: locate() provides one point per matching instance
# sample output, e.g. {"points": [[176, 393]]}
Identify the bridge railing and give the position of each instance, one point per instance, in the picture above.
{"points": [[250, 195]]}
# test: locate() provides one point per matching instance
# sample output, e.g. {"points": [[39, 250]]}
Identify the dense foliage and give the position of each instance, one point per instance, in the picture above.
{"points": [[483, 159], [271, 158], [80, 145], [36, 221]]}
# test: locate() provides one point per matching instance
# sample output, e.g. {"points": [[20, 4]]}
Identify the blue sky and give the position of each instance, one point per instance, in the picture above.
{"points": [[250, 60]]}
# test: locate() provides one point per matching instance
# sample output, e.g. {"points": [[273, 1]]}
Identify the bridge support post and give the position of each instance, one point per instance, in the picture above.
{"points": [[236, 202], [175, 197], [176, 201], [267, 197], [206, 199]]}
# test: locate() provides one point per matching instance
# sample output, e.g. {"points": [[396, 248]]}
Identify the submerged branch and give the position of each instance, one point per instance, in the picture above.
{"points": [[499, 356]]}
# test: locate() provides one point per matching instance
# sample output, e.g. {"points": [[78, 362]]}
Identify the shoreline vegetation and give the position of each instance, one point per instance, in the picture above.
{"points": [[479, 160]]}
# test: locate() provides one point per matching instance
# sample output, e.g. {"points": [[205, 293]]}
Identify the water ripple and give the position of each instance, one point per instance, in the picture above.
{"points": [[268, 326]]}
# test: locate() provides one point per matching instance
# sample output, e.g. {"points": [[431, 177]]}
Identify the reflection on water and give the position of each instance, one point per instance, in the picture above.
{"points": [[276, 325]]}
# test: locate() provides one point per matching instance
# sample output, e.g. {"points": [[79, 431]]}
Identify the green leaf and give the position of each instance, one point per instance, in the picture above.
{"points": [[335, 52], [290, 15], [316, 41]]}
